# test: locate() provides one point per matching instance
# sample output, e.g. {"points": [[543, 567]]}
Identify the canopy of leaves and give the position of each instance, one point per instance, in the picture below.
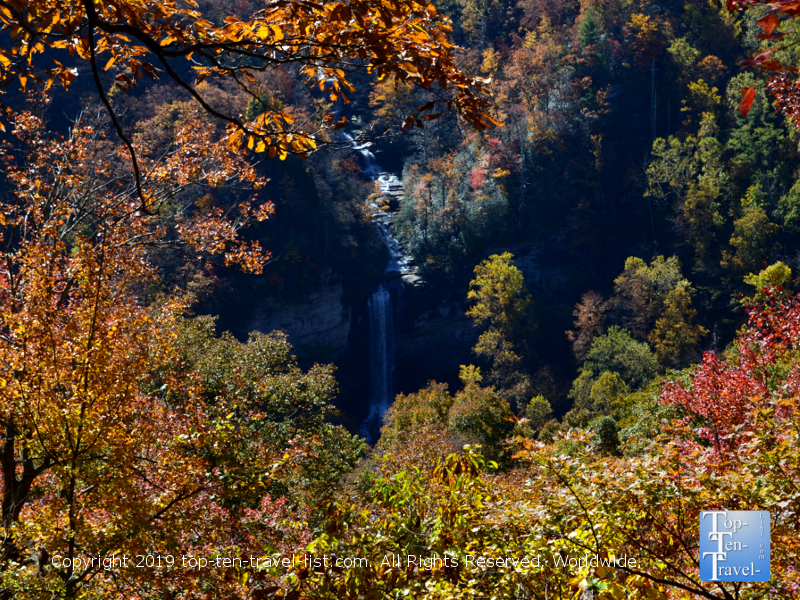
{"points": [[579, 495], [126, 429], [498, 290], [618, 352], [406, 40]]}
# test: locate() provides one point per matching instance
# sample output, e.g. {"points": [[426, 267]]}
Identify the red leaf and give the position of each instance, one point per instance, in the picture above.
{"points": [[758, 59], [775, 66], [787, 7], [748, 95], [769, 23]]}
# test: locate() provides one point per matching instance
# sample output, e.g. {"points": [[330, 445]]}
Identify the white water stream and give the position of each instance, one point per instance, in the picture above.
{"points": [[380, 305]]}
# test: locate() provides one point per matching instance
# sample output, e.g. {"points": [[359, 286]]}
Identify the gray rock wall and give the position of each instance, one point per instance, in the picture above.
{"points": [[318, 325]]}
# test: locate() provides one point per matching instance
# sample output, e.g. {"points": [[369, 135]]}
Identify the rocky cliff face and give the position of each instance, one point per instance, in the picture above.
{"points": [[318, 326], [432, 346], [433, 337]]}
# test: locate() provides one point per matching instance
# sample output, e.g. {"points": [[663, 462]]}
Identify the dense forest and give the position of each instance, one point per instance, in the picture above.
{"points": [[386, 299]]}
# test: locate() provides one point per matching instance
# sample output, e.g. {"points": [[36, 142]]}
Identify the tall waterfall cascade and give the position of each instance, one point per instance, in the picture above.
{"points": [[380, 304], [390, 187], [381, 358]]}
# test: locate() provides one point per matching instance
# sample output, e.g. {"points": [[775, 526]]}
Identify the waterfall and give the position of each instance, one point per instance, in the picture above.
{"points": [[371, 167], [380, 307], [381, 360]]}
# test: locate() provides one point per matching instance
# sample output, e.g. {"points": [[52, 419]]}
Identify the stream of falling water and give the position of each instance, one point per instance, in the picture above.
{"points": [[381, 360], [380, 304]]}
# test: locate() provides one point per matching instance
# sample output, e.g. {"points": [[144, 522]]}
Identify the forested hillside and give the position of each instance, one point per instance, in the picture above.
{"points": [[386, 299]]}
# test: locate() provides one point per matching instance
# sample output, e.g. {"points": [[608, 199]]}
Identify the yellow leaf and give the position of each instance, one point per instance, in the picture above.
{"points": [[235, 139]]}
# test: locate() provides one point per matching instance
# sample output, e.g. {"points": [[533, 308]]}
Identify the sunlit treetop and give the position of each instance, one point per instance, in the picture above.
{"points": [[406, 39]]}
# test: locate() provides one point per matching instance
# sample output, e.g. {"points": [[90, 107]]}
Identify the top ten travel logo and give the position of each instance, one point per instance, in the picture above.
{"points": [[734, 545]]}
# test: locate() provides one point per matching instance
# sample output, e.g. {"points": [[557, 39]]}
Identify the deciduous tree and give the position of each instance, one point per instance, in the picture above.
{"points": [[110, 444], [502, 303], [641, 290], [590, 321], [407, 40], [675, 336]]}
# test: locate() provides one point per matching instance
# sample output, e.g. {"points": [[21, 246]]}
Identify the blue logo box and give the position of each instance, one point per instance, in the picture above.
{"points": [[734, 545]]}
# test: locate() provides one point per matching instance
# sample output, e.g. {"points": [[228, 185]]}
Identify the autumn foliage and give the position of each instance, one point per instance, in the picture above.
{"points": [[727, 397], [405, 40], [111, 442], [782, 82], [127, 427], [729, 441], [632, 159]]}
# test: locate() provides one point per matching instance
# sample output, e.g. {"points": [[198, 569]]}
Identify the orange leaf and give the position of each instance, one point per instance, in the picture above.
{"points": [[769, 23], [748, 95]]}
